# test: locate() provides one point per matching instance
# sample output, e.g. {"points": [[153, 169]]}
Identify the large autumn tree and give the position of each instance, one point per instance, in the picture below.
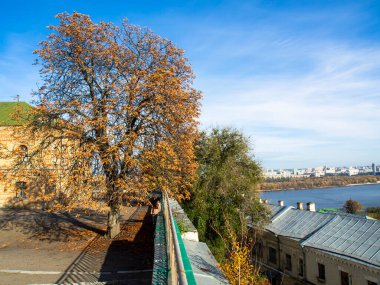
{"points": [[122, 100]]}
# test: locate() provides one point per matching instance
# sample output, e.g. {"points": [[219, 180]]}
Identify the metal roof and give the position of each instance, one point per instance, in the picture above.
{"points": [[297, 224], [203, 263], [350, 236], [275, 209]]}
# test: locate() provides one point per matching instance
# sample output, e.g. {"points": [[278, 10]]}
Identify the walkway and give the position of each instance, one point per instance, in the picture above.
{"points": [[127, 258]]}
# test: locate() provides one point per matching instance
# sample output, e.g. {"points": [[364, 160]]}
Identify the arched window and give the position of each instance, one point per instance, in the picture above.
{"points": [[23, 152], [20, 189]]}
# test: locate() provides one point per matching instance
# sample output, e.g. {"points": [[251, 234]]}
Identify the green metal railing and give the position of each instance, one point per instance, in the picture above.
{"points": [[171, 262], [185, 259], [160, 264]]}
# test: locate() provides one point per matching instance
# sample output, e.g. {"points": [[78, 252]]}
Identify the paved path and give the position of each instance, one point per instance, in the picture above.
{"points": [[127, 258]]}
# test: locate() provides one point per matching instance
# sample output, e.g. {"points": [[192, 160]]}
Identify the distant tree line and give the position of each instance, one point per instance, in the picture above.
{"points": [[317, 182]]}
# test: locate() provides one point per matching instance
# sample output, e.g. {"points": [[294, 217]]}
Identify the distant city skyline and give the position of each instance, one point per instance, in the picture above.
{"points": [[320, 171], [328, 166], [301, 78]]}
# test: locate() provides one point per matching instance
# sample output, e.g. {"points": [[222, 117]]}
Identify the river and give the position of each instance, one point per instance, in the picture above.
{"points": [[334, 197]]}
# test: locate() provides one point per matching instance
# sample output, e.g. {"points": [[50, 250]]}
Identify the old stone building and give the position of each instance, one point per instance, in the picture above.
{"points": [[10, 142], [305, 247], [16, 148]]}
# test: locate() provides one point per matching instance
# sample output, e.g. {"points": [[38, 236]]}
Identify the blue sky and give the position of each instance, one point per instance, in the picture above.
{"points": [[301, 78]]}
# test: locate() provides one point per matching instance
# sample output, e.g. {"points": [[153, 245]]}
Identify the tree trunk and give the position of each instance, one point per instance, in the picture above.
{"points": [[113, 224]]}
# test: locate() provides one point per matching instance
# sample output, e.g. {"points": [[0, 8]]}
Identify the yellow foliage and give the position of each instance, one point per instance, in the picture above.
{"points": [[121, 100], [239, 269]]}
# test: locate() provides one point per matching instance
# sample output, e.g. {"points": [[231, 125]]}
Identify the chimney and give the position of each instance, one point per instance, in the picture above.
{"points": [[311, 206], [281, 203], [299, 205]]}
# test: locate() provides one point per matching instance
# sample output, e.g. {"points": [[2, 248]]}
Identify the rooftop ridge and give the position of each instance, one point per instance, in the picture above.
{"points": [[350, 236], [280, 213]]}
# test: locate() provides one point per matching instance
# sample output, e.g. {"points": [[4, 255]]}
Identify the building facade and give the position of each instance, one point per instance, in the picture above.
{"points": [[305, 247], [16, 148]]}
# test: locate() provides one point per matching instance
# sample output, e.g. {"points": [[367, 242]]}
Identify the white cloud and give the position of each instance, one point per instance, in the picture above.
{"points": [[304, 93], [333, 104]]}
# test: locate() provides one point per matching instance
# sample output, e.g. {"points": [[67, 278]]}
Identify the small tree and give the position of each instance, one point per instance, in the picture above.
{"points": [[238, 267], [122, 100], [352, 206]]}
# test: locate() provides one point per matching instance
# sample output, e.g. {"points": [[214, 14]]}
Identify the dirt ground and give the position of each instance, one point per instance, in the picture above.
{"points": [[41, 248]]}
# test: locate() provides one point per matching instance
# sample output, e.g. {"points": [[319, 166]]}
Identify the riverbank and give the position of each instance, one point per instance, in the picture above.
{"points": [[331, 197], [325, 187], [358, 184], [318, 182]]}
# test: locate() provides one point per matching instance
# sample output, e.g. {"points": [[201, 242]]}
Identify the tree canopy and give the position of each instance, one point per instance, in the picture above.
{"points": [[225, 194], [122, 99]]}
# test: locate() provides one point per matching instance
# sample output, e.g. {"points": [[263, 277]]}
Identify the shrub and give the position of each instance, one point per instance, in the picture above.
{"points": [[352, 206]]}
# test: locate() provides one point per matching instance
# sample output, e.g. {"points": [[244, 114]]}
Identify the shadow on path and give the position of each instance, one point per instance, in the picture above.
{"points": [[127, 259], [51, 227]]}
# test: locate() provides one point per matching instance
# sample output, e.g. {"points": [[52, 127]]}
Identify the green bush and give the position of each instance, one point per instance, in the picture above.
{"points": [[375, 210]]}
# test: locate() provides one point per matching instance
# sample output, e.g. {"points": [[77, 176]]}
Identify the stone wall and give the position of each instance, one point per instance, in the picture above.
{"points": [[8, 144], [15, 146]]}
